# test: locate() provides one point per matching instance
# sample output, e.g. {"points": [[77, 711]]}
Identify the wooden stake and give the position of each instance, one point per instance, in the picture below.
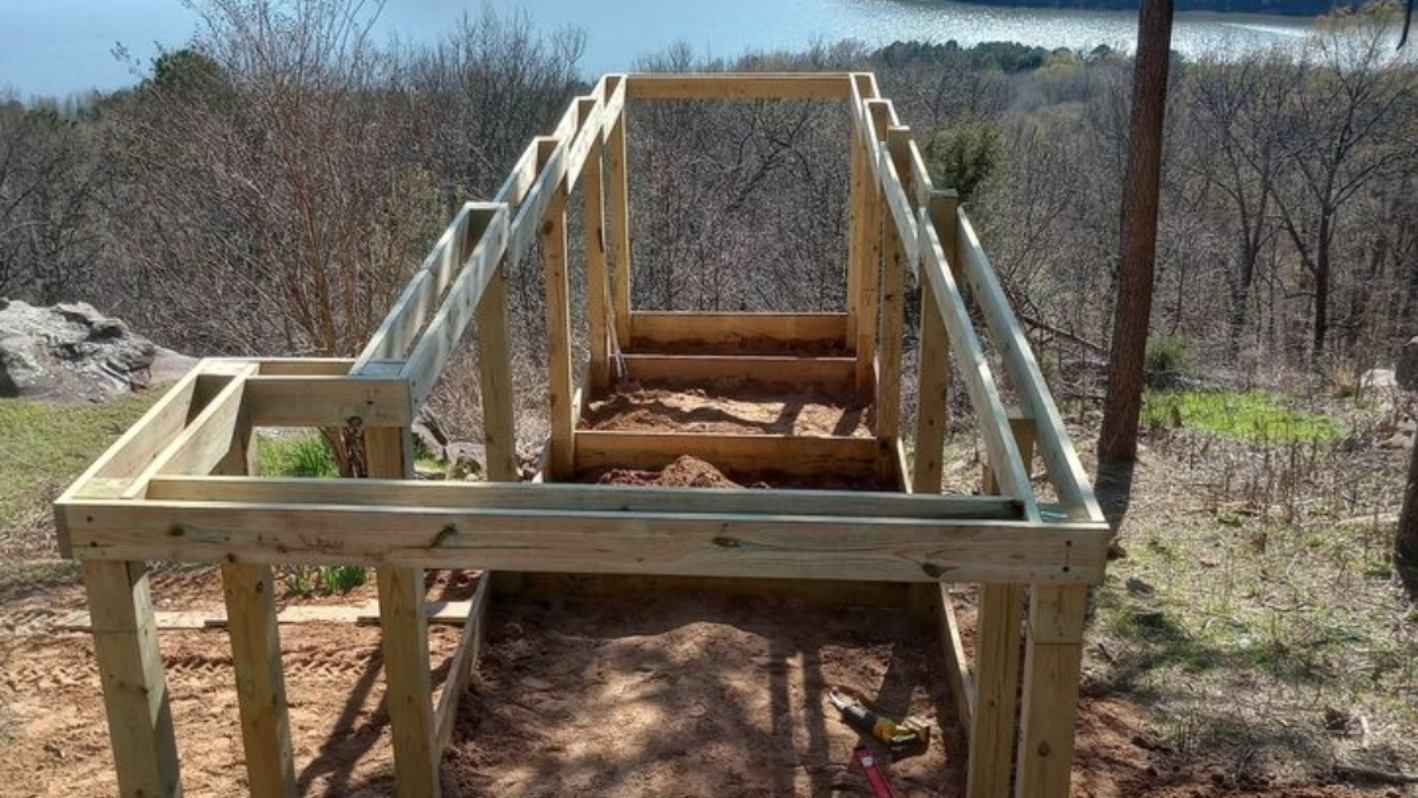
{"points": [[405, 630], [130, 669]]}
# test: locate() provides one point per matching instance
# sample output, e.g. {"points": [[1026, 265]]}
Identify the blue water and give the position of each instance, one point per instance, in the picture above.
{"points": [[56, 47]]}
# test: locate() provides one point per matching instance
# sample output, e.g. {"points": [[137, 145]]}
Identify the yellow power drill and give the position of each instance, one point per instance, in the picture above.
{"points": [[910, 736]]}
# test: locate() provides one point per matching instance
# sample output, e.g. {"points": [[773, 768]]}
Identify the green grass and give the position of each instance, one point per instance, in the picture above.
{"points": [[305, 456], [45, 446], [1257, 416]]}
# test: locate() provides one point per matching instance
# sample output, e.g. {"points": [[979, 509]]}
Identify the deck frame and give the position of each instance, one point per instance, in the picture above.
{"points": [[178, 486]]}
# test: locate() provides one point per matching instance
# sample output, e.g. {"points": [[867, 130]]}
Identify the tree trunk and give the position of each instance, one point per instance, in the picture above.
{"points": [[1322, 270], [1405, 544], [1118, 442]]}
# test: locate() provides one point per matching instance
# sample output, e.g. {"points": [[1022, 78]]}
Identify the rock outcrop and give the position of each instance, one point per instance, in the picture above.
{"points": [[72, 352]]}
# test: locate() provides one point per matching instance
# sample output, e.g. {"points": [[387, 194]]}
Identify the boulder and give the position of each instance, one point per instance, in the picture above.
{"points": [[1406, 373], [72, 352], [466, 458]]}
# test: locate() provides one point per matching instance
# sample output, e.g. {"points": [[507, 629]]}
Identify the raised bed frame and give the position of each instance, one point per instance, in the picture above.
{"points": [[180, 485]]}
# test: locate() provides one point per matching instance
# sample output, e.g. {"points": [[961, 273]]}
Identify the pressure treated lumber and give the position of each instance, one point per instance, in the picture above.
{"points": [[130, 669], [649, 330], [405, 640], [833, 374], [558, 315], [249, 591], [933, 384], [957, 665], [738, 86], [898, 257], [495, 381], [618, 222], [1052, 669], [460, 667], [852, 458], [597, 281]]}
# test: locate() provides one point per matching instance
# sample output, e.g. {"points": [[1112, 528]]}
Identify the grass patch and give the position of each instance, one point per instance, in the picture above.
{"points": [[1258, 416], [307, 455], [46, 446]]}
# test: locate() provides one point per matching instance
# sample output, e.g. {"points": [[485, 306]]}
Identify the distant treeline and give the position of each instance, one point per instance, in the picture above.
{"points": [[1294, 8]]}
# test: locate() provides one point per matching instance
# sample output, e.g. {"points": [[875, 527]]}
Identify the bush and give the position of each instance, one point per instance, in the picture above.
{"points": [[1170, 354]]}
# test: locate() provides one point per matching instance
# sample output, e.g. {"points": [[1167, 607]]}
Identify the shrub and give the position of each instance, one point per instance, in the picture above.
{"points": [[1170, 354]]}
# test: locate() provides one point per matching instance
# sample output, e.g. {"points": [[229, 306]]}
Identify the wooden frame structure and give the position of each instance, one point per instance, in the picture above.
{"points": [[180, 485]]}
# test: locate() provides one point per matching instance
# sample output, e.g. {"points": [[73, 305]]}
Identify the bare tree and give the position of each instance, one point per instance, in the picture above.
{"points": [[1117, 444]]}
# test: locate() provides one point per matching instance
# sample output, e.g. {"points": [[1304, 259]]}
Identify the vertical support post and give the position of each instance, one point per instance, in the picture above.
{"points": [[597, 286], [869, 288], [933, 405], [495, 380], [558, 308], [997, 643], [1053, 662], [249, 591], [405, 632], [856, 226], [893, 303], [617, 178], [130, 669]]}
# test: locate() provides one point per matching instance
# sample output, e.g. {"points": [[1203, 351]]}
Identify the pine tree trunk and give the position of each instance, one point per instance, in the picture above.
{"points": [[1118, 442]]}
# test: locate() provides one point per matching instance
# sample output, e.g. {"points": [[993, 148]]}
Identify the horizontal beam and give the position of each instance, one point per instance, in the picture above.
{"points": [[299, 401], [829, 373], [739, 86], [205, 441], [801, 456], [570, 496], [1065, 469], [581, 541], [649, 329]]}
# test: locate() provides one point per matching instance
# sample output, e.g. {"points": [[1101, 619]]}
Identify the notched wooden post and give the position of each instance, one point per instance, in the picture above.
{"points": [[130, 669], [1053, 662]]}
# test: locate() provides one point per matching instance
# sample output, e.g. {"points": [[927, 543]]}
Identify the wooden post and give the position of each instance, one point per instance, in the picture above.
{"points": [[558, 309], [495, 380], [856, 227], [597, 286], [869, 292], [130, 669], [1052, 668], [933, 407], [619, 212], [893, 306], [249, 591], [997, 641], [405, 630]]}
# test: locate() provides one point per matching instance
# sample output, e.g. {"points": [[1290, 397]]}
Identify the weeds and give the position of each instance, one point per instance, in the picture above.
{"points": [[1170, 354], [305, 456], [1258, 416], [303, 581]]}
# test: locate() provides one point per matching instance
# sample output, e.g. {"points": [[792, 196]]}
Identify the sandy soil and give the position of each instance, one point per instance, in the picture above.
{"points": [[725, 410]]}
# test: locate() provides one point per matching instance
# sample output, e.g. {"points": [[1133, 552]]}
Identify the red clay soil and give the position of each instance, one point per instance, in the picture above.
{"points": [[692, 472], [727, 411]]}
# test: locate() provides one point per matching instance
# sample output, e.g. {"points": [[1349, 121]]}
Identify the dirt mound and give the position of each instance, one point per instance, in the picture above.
{"points": [[723, 410], [686, 472]]}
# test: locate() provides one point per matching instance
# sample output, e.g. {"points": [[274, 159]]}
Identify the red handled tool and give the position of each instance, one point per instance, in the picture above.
{"points": [[866, 760]]}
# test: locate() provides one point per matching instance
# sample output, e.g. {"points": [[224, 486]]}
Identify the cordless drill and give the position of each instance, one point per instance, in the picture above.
{"points": [[910, 736]]}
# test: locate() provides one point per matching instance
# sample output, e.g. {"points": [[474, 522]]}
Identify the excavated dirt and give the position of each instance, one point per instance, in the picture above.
{"points": [[722, 408], [692, 472]]}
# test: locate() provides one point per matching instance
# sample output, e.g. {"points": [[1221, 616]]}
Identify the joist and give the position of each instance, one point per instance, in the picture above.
{"points": [[739, 86], [850, 458], [580, 541], [327, 401], [834, 374], [571, 496], [649, 330], [957, 663]]}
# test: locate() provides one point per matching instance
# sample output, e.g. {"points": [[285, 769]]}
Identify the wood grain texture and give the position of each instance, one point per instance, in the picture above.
{"points": [[739, 86], [852, 458], [834, 374], [651, 329], [249, 592], [1052, 668], [997, 640]]}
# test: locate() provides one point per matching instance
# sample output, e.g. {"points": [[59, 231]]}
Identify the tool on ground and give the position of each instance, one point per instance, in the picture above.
{"points": [[866, 760], [910, 736]]}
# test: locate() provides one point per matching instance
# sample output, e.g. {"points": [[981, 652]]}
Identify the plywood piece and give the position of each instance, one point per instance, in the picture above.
{"points": [[130, 670], [249, 591]]}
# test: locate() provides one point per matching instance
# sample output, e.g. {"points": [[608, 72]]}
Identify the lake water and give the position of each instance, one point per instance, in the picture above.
{"points": [[61, 46]]}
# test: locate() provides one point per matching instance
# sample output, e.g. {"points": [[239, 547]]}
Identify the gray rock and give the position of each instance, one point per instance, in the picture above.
{"points": [[466, 457], [72, 352], [1381, 379], [1406, 374]]}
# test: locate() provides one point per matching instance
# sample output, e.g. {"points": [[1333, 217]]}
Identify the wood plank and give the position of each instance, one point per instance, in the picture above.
{"points": [[901, 213], [488, 227], [204, 442], [519, 180], [851, 458], [495, 381], [249, 591], [1065, 469], [405, 643], [1052, 669], [893, 308], [997, 639], [305, 366], [975, 371], [933, 385], [957, 664], [327, 401], [856, 228], [572, 496], [130, 669], [527, 223], [557, 289], [869, 294], [597, 282], [835, 374], [618, 220], [651, 329], [739, 86], [578, 541], [462, 664], [588, 137]]}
